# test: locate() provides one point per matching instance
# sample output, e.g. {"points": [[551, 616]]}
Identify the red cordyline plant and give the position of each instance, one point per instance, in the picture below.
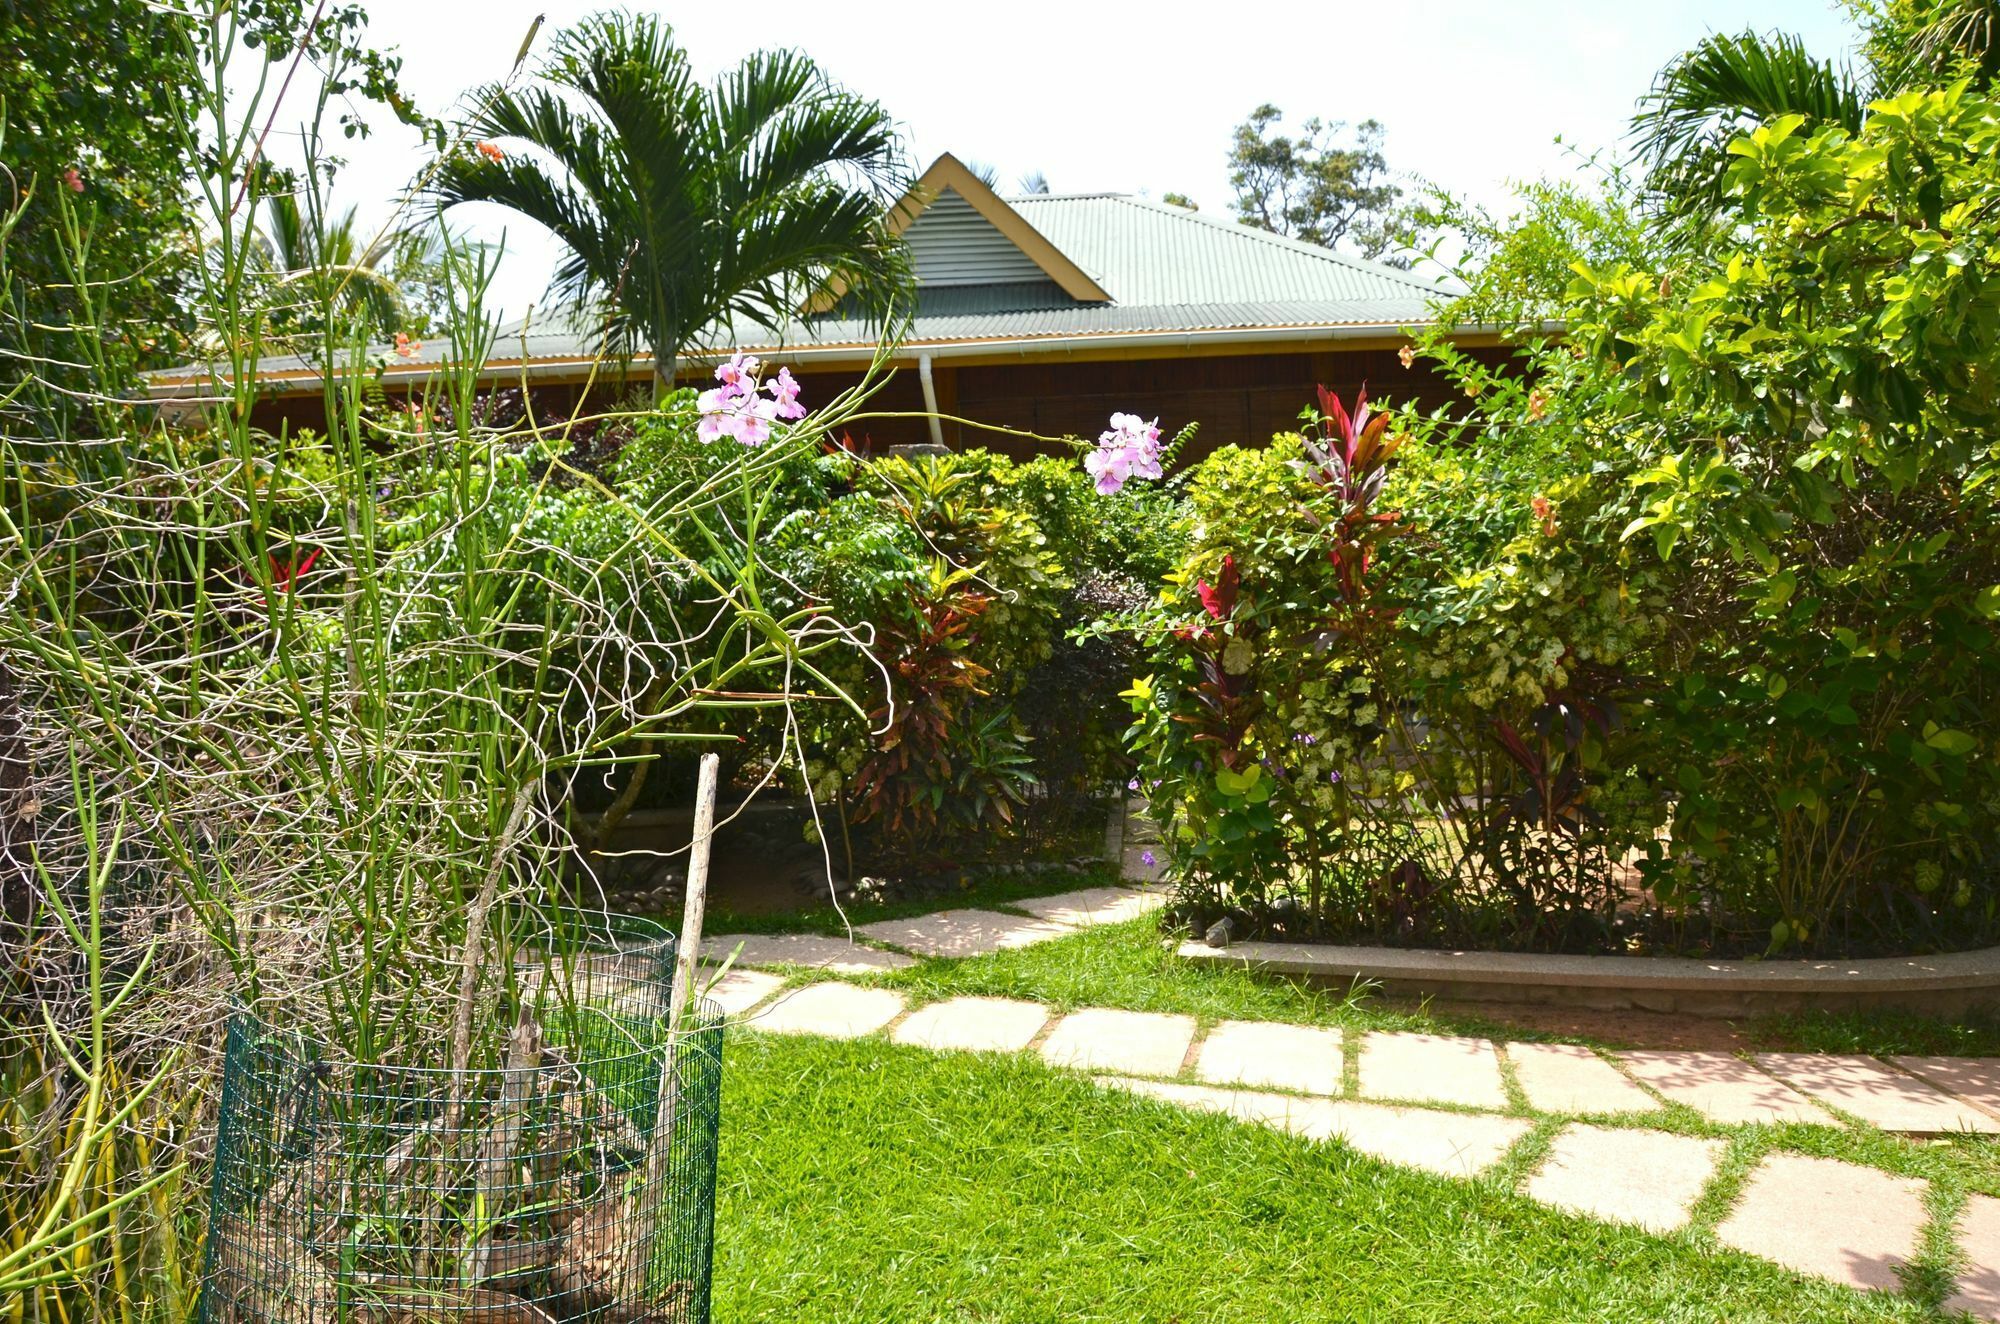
{"points": [[1351, 458]]}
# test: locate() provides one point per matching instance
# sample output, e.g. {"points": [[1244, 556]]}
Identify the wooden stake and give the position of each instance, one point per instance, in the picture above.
{"points": [[659, 1162], [696, 904]]}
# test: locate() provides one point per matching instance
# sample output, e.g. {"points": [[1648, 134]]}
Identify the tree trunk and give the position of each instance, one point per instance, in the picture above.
{"points": [[663, 378]]}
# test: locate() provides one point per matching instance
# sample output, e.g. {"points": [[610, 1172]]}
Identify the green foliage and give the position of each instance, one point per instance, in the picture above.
{"points": [[683, 206], [1704, 591], [1312, 187]]}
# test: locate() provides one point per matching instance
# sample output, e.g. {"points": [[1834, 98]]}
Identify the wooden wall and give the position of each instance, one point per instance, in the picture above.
{"points": [[1237, 399]]}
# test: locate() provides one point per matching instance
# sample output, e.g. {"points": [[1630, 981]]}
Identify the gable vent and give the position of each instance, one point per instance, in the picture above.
{"points": [[952, 244]]}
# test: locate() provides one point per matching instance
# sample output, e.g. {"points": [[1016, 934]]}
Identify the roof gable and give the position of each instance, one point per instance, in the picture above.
{"points": [[960, 232]]}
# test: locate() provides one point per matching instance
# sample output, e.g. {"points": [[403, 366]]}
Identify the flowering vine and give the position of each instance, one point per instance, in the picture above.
{"points": [[741, 409], [1129, 449]]}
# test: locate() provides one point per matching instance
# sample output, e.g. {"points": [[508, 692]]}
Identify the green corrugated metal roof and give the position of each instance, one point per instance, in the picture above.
{"points": [[1145, 252], [1167, 270]]}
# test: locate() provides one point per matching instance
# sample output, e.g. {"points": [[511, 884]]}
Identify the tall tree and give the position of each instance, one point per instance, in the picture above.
{"points": [[683, 206], [1315, 187]]}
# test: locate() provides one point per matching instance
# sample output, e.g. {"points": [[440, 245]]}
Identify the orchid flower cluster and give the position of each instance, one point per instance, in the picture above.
{"points": [[739, 409], [1129, 449]]}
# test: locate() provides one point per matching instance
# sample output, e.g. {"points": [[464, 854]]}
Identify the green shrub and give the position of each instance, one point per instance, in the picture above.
{"points": [[1700, 598]]}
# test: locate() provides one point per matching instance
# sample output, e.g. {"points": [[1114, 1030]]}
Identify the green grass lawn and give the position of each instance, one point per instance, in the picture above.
{"points": [[867, 1182]]}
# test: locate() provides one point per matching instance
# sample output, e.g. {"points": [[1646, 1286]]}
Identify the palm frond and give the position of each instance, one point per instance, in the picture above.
{"points": [[1722, 87], [687, 206]]}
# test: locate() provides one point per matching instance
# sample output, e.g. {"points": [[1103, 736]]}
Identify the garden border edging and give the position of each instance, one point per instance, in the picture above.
{"points": [[1948, 983]]}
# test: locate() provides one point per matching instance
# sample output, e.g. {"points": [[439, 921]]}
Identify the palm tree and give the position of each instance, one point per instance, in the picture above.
{"points": [[684, 206], [1729, 84], [313, 265]]}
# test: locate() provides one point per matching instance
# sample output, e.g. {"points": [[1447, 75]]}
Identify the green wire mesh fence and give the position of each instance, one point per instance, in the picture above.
{"points": [[575, 1181]]}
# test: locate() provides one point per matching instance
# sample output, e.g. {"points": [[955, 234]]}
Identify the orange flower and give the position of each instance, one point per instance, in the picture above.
{"points": [[1408, 354], [1538, 404], [1545, 511], [407, 347], [492, 152]]}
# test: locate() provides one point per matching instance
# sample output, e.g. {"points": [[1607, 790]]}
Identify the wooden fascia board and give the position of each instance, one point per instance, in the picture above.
{"points": [[948, 172]]}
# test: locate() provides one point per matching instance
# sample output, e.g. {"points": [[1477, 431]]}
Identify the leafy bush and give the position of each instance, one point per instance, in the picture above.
{"points": [[964, 580], [1683, 636]]}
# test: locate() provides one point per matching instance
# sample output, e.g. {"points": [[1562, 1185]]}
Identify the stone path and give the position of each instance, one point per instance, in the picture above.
{"points": [[944, 933], [1452, 1105], [1837, 1220]]}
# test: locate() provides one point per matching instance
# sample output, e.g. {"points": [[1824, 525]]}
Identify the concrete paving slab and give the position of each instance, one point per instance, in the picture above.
{"points": [[1974, 1079], [1133, 1043], [740, 990], [1648, 1178], [1312, 1118], [1450, 1144], [1864, 1088], [958, 933], [1722, 1087], [1093, 905], [1432, 1068], [832, 1010], [1851, 1224], [1570, 1078], [1286, 1057], [1979, 1285], [973, 1025], [814, 950]]}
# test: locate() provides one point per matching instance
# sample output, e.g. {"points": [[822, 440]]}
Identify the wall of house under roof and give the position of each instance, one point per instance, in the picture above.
{"points": [[1237, 398]]}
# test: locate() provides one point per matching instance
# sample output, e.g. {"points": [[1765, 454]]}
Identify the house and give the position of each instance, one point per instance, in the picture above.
{"points": [[1037, 315]]}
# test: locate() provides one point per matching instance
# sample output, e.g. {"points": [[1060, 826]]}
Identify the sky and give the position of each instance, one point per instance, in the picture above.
{"points": [[1127, 97]]}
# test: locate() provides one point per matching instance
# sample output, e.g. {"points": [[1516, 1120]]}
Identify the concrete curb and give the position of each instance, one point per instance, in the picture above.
{"points": [[1946, 983]]}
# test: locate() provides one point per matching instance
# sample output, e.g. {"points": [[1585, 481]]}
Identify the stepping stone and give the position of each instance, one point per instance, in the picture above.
{"points": [[1286, 1057], [1134, 867], [1974, 1079], [1648, 1178], [1723, 1087], [1821, 1216], [1979, 1232], [1094, 905], [974, 1025], [813, 950], [1569, 1078], [1133, 1043], [1450, 1144], [1312, 1118], [1432, 1068], [740, 990], [1881, 1097], [832, 1010], [964, 932]]}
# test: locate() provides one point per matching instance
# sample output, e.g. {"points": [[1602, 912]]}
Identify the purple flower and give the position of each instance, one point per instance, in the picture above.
{"points": [[786, 392], [1146, 858], [1335, 776], [1132, 785], [1129, 449], [736, 410]]}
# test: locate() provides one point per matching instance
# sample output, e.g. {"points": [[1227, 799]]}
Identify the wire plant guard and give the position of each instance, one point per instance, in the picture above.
{"points": [[573, 1181]]}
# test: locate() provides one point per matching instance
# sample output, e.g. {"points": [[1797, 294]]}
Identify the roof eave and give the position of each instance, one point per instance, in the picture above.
{"points": [[834, 355]]}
